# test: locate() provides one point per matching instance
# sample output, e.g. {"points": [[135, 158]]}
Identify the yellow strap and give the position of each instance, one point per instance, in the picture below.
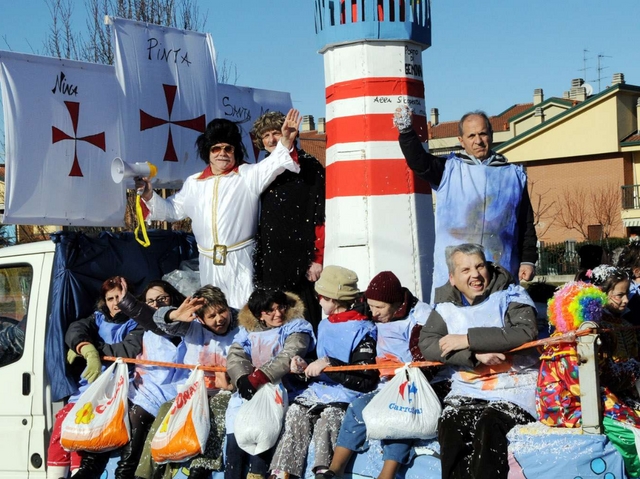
{"points": [[141, 226]]}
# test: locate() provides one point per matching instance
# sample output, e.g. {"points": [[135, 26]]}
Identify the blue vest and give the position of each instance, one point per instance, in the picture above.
{"points": [[478, 204], [152, 386], [513, 381], [110, 333], [337, 340], [394, 336], [206, 348], [261, 347]]}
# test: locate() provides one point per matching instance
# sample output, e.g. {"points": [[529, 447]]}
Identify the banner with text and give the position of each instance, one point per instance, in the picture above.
{"points": [[245, 105], [61, 133], [168, 81]]}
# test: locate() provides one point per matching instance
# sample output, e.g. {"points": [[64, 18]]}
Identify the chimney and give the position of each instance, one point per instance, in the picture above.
{"points": [[576, 82], [578, 92], [538, 96], [435, 116], [566, 95], [321, 125], [618, 78], [307, 123], [539, 114]]}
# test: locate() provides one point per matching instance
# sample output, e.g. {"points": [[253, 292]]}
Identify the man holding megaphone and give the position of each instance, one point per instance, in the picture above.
{"points": [[222, 202]]}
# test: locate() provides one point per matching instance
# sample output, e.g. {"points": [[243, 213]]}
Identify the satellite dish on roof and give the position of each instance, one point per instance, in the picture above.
{"points": [[588, 89]]}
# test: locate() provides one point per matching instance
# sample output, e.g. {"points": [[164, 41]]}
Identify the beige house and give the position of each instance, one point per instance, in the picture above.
{"points": [[582, 155]]}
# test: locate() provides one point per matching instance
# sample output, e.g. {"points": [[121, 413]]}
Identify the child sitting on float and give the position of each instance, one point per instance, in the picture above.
{"points": [[558, 390]]}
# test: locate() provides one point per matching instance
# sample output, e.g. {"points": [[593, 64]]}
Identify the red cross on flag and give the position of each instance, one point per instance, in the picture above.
{"points": [[168, 79], [61, 134]]}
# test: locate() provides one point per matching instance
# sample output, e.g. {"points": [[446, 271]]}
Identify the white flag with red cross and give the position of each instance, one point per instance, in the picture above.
{"points": [[168, 78], [61, 132]]}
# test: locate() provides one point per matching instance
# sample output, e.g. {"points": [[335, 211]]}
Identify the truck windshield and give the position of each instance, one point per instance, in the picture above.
{"points": [[15, 288]]}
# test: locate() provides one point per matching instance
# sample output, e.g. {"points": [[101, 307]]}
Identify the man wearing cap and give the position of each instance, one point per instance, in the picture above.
{"points": [[479, 316], [290, 240], [481, 197], [345, 337], [396, 311], [222, 202]]}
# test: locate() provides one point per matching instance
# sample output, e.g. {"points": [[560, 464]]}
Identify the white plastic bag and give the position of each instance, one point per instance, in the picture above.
{"points": [[184, 431], [405, 408], [99, 420], [260, 420], [186, 278]]}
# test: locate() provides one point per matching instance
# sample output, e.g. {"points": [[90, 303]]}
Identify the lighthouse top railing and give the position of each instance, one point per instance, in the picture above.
{"points": [[345, 21]]}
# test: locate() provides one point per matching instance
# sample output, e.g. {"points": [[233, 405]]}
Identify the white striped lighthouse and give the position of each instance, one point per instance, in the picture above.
{"points": [[379, 215]]}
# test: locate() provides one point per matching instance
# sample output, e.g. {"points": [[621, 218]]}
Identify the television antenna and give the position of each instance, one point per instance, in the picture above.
{"points": [[584, 63], [599, 69]]}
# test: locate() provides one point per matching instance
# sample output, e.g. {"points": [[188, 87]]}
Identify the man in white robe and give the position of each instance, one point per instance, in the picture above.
{"points": [[223, 202]]}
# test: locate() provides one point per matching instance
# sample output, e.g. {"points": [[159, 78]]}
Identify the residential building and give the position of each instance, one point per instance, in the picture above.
{"points": [[581, 153]]}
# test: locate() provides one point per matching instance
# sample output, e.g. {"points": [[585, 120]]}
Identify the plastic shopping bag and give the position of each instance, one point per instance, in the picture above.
{"points": [[260, 420], [405, 408], [185, 429], [99, 421]]}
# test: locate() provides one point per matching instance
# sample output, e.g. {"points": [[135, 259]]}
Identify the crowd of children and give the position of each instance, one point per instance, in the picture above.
{"points": [[269, 341]]}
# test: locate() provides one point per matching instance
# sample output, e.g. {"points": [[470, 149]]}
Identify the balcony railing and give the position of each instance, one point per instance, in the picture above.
{"points": [[630, 197]]}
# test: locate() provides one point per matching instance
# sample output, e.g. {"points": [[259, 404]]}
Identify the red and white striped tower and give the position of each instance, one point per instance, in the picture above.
{"points": [[379, 215]]}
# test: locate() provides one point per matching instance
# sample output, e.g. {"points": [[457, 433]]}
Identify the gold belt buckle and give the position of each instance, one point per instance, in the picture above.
{"points": [[219, 255]]}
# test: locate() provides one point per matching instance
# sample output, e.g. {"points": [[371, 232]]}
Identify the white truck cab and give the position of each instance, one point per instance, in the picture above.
{"points": [[26, 409]]}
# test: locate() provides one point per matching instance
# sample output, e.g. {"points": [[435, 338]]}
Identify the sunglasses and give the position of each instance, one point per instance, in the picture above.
{"points": [[217, 149]]}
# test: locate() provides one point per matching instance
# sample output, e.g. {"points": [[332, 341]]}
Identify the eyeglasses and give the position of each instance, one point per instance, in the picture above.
{"points": [[278, 307], [217, 149], [160, 300]]}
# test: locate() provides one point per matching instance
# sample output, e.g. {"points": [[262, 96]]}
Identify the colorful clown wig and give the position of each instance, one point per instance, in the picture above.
{"points": [[575, 303]]}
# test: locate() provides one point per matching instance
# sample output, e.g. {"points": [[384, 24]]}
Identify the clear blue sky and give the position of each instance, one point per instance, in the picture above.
{"points": [[485, 55]]}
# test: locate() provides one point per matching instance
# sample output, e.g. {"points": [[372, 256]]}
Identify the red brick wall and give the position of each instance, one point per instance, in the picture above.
{"points": [[551, 178]]}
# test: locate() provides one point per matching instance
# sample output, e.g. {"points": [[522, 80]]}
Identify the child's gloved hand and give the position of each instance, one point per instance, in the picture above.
{"points": [[245, 388], [402, 119], [72, 356], [94, 364], [298, 365], [315, 368]]}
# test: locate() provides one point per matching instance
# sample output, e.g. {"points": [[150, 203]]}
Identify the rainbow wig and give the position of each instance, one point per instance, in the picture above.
{"points": [[575, 303]]}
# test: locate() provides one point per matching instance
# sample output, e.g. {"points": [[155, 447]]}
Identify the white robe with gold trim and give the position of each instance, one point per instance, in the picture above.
{"points": [[224, 211]]}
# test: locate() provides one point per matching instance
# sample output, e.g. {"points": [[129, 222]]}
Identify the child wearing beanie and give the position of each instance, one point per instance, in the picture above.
{"points": [[344, 337]]}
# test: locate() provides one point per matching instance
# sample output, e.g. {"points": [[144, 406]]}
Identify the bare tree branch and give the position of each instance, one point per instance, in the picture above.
{"points": [[543, 217], [605, 203], [573, 211], [61, 41], [227, 72]]}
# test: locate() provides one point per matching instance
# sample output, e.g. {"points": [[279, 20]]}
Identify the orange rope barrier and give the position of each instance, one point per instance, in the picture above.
{"points": [[147, 362], [564, 338]]}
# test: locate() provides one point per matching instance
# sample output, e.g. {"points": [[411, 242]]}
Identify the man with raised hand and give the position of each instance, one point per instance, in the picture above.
{"points": [[481, 198]]}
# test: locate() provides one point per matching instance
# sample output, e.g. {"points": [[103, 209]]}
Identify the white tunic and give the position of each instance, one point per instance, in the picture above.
{"points": [[224, 211]]}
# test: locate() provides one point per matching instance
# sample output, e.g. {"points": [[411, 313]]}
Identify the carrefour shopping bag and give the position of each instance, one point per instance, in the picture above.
{"points": [[260, 420], [99, 421], [184, 431], [405, 408]]}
